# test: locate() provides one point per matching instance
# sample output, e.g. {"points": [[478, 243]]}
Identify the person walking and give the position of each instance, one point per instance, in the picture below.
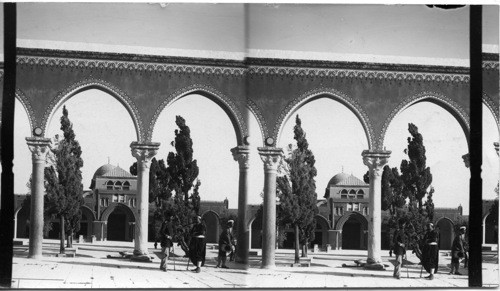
{"points": [[457, 251], [226, 245], [430, 252], [399, 245], [165, 242], [197, 245]]}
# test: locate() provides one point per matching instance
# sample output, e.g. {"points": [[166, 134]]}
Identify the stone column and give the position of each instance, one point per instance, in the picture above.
{"points": [[241, 154], [375, 160], [271, 158], [39, 148], [143, 152]]}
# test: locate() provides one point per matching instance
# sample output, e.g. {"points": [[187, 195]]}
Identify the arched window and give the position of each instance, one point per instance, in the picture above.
{"points": [[343, 194], [118, 185], [352, 193], [360, 194], [126, 186], [109, 185]]}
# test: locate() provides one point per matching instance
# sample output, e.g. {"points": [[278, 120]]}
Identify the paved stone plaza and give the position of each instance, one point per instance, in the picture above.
{"points": [[92, 268]]}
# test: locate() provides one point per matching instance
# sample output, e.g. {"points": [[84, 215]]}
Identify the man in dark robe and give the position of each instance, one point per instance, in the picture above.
{"points": [[430, 252], [197, 245]]}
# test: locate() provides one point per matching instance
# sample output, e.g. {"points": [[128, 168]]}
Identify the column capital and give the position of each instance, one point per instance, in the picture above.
{"points": [[271, 157], [39, 147], [241, 154], [144, 152], [375, 160], [497, 147]]}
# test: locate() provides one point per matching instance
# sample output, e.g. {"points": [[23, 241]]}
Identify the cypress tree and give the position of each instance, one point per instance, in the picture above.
{"points": [[297, 190], [64, 182]]}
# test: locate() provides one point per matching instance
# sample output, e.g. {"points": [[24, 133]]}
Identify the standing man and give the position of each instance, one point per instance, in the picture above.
{"points": [[197, 246], [399, 244], [457, 251], [430, 253], [226, 244], [165, 242]]}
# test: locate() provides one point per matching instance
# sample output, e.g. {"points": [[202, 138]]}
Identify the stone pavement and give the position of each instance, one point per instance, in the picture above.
{"points": [[92, 268]]}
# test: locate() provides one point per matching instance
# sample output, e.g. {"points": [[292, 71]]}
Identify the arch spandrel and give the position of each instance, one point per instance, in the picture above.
{"points": [[107, 212], [227, 104], [353, 214], [446, 103], [493, 107], [87, 84], [330, 93], [27, 108]]}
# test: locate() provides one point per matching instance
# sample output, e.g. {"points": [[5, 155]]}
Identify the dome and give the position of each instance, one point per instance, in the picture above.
{"points": [[338, 178], [343, 179], [103, 170]]}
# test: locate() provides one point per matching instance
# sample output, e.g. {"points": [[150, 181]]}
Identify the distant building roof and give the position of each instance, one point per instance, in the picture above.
{"points": [[109, 170], [343, 179]]}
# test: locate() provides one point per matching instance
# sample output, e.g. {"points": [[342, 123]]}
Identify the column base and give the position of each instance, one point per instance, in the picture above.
{"points": [[370, 264], [35, 257], [268, 267], [141, 258]]}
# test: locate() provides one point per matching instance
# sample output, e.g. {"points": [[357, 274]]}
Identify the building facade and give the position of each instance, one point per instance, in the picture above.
{"points": [[110, 210]]}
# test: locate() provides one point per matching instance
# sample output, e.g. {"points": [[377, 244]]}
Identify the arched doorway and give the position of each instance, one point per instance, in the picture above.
{"points": [[490, 230], [321, 232], [85, 224], [446, 233], [256, 233], [211, 220], [354, 228], [23, 223], [118, 226]]}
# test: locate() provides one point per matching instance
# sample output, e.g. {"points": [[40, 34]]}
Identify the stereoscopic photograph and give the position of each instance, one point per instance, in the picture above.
{"points": [[249, 145]]}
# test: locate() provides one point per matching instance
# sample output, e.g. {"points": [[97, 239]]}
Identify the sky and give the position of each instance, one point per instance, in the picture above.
{"points": [[105, 130]]}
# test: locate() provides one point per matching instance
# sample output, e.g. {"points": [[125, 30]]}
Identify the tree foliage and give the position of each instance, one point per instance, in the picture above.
{"points": [[408, 195], [63, 181], [174, 187], [296, 189]]}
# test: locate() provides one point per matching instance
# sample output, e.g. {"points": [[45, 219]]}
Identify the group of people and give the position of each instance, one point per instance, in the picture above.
{"points": [[429, 255], [196, 250]]}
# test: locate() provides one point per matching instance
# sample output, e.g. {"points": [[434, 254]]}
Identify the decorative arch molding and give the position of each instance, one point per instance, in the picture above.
{"points": [[257, 112], [105, 214], [250, 222], [446, 103], [322, 218], [212, 212], [488, 101], [485, 216], [93, 83], [445, 218], [354, 214], [27, 107], [211, 93], [331, 93], [88, 210]]}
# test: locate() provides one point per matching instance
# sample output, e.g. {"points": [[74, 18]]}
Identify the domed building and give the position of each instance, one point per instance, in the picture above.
{"points": [[110, 210], [348, 203]]}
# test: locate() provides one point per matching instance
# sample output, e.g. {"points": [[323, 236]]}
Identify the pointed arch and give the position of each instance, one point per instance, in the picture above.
{"points": [[493, 109], [228, 105], [353, 214], [105, 214], [330, 93], [443, 101], [98, 84]]}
